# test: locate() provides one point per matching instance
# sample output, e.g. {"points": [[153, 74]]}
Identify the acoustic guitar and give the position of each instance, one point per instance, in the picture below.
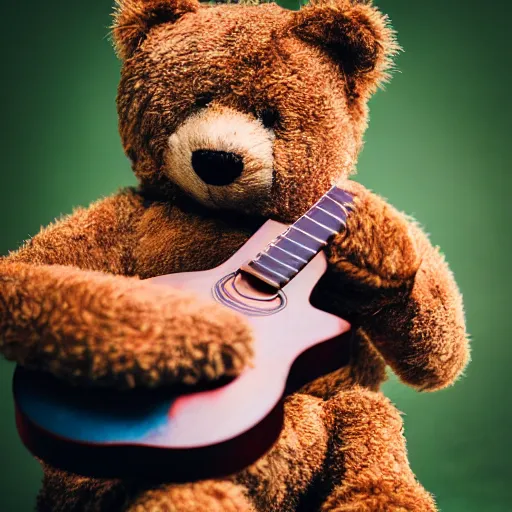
{"points": [[185, 433]]}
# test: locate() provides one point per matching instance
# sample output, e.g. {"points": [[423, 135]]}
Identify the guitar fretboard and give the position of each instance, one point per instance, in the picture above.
{"points": [[292, 250]]}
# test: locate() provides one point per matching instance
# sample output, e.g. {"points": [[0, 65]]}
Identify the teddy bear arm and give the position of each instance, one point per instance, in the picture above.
{"points": [[63, 310], [378, 495], [367, 462], [423, 336], [388, 278], [100, 237]]}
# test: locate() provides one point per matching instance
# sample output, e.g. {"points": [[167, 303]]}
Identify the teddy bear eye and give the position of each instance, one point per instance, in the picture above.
{"points": [[204, 99], [269, 117]]}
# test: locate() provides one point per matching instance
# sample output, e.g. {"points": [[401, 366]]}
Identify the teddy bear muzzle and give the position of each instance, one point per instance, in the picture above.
{"points": [[222, 157], [218, 168]]}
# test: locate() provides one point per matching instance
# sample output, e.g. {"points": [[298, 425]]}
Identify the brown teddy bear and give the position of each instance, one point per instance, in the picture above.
{"points": [[232, 114]]}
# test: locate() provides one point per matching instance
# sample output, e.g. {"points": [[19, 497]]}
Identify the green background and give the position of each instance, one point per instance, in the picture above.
{"points": [[437, 147]]}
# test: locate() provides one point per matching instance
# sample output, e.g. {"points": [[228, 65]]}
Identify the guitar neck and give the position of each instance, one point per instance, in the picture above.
{"points": [[292, 250]]}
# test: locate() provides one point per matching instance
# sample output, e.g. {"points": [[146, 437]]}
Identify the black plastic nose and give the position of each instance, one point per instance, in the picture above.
{"points": [[217, 167]]}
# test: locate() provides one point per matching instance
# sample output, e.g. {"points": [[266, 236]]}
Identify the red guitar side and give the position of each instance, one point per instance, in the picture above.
{"points": [[183, 435]]}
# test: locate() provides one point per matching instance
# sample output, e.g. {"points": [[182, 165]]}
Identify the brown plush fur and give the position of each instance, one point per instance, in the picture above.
{"points": [[72, 301]]}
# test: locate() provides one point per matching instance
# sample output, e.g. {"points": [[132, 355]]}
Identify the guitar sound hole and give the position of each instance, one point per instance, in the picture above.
{"points": [[251, 287], [247, 294]]}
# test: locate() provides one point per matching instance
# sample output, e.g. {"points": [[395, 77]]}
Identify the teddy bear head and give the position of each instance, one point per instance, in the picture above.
{"points": [[252, 108]]}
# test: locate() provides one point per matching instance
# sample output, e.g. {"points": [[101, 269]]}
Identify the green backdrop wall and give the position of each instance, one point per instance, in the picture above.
{"points": [[438, 148]]}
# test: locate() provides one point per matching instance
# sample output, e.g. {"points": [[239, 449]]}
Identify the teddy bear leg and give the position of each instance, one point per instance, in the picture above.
{"points": [[209, 495], [281, 479], [67, 492], [369, 467]]}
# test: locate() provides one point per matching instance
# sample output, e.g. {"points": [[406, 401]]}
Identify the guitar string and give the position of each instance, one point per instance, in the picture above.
{"points": [[255, 262], [289, 253], [343, 206], [278, 261], [293, 226], [321, 225], [331, 214]]}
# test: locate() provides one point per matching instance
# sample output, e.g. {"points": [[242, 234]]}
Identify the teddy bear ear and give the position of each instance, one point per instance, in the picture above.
{"points": [[353, 32], [134, 18]]}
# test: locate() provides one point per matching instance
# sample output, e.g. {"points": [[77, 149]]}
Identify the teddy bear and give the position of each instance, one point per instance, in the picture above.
{"points": [[232, 114]]}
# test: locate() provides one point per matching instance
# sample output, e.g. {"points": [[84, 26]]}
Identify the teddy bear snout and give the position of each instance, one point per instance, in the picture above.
{"points": [[223, 158], [217, 168]]}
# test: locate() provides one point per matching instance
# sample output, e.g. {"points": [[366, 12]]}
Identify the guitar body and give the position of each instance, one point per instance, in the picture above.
{"points": [[184, 434]]}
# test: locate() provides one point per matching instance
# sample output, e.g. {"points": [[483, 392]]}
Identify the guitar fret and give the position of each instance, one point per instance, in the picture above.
{"points": [[326, 220], [299, 244], [331, 214], [321, 225], [254, 262], [340, 195], [301, 241], [285, 259], [319, 240], [290, 253], [342, 206], [278, 261]]}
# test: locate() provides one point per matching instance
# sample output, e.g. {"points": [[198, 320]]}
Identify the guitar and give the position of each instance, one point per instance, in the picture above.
{"points": [[182, 433]]}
